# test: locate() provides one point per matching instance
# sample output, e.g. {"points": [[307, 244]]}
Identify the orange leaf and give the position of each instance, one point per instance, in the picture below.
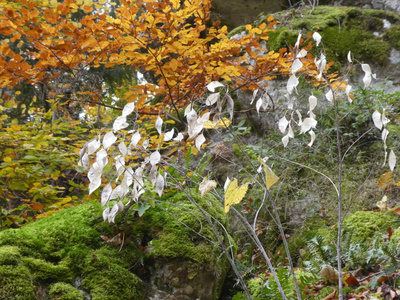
{"points": [[396, 210], [37, 206], [270, 18], [351, 281], [390, 232]]}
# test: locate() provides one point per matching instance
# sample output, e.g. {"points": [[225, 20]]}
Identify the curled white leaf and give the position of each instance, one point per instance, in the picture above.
{"points": [[168, 136], [312, 134], [84, 161], [105, 194], [292, 84], [160, 185], [285, 140], [348, 89], [254, 96], [128, 109], [93, 145], [207, 185], [329, 95], [155, 158], [317, 38], [377, 118], [349, 57], [297, 65], [385, 120], [302, 53], [179, 137], [106, 213], [312, 101], [392, 160], [158, 124], [135, 138], [120, 123], [199, 141], [213, 85], [385, 134], [368, 75], [282, 124], [109, 139], [122, 148], [102, 158], [211, 99]]}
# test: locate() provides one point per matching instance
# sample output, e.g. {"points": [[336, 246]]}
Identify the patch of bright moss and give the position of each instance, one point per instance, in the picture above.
{"points": [[10, 255], [393, 36], [16, 283], [64, 291], [45, 271]]}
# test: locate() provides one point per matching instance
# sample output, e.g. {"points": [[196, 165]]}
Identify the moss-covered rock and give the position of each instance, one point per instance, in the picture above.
{"points": [[64, 291], [63, 254]]}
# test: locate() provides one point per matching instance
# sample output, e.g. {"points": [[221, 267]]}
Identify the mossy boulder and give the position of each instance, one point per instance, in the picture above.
{"points": [[65, 257]]}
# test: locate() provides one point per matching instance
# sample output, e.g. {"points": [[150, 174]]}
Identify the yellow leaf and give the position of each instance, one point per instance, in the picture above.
{"points": [[270, 177], [222, 123], [7, 159], [234, 194], [385, 179]]}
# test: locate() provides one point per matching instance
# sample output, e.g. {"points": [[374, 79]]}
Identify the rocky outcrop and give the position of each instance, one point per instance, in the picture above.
{"points": [[75, 255]]}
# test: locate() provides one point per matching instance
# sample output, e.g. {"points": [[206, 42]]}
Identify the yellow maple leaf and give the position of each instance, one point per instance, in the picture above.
{"points": [[234, 194], [222, 123]]}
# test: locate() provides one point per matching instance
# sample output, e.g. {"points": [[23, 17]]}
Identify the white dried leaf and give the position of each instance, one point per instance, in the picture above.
{"points": [[95, 171], [179, 137], [213, 85], [158, 124], [146, 144], [297, 65], [84, 161], [258, 105], [120, 164], [297, 45], [122, 148], [285, 140], [392, 160], [193, 131], [105, 194], [128, 177], [191, 118], [312, 100], [102, 158], [312, 134], [282, 124], [160, 185], [128, 109], [329, 95], [302, 53], [207, 185], [385, 134], [108, 140], [377, 118], [168, 136], [94, 185], [199, 141], [229, 105], [292, 84], [113, 213], [155, 158], [349, 57], [93, 145], [211, 99], [120, 123], [307, 124], [254, 96], [106, 213], [368, 75], [385, 120], [317, 38], [153, 175], [290, 132], [227, 182], [348, 89], [135, 138]]}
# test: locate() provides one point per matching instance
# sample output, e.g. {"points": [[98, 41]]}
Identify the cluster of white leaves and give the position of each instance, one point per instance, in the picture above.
{"points": [[380, 122], [263, 102]]}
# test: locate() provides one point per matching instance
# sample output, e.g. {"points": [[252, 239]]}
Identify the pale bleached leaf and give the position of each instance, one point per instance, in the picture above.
{"points": [[106, 213], [188, 109], [160, 185], [191, 118], [317, 38], [290, 131], [84, 161], [146, 144], [307, 124], [93, 145], [312, 101], [155, 158], [113, 213], [168, 135], [153, 174], [285, 140], [122, 148], [348, 89], [213, 85], [158, 124], [297, 45], [128, 177], [385, 120], [368, 75], [199, 141], [302, 53], [227, 182], [102, 158], [128, 109], [377, 118], [204, 118], [292, 84], [385, 134], [95, 172], [207, 185], [349, 57], [211, 99], [312, 134], [108, 140], [120, 164], [179, 137], [329, 95], [229, 105], [392, 160], [254, 96], [282, 124], [195, 130], [105, 194], [120, 123], [94, 185], [258, 105], [135, 139], [297, 65]]}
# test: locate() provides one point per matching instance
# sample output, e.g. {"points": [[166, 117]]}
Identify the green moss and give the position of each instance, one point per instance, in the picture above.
{"points": [[236, 31], [393, 36], [112, 283], [64, 291], [9, 255], [16, 283], [365, 226], [44, 271]]}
